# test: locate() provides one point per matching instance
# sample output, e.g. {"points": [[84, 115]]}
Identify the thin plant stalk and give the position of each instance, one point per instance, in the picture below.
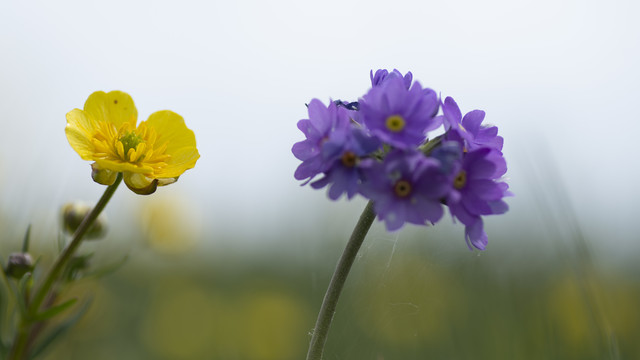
{"points": [[328, 308], [22, 338]]}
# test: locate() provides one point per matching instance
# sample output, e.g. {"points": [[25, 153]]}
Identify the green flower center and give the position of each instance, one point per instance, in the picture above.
{"points": [[130, 140], [349, 159], [395, 123], [402, 188], [460, 180]]}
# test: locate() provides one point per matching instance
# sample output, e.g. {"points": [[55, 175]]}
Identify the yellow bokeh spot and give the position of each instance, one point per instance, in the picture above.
{"points": [[573, 315], [171, 225], [276, 326], [184, 322]]}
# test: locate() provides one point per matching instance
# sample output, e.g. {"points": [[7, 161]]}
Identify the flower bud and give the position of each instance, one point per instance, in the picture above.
{"points": [[74, 213], [18, 265]]}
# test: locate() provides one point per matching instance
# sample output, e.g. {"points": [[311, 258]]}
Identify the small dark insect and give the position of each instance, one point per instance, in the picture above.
{"points": [[345, 104], [348, 105]]}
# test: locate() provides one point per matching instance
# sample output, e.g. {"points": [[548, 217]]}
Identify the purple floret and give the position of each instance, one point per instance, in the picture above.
{"points": [[406, 187], [477, 192], [382, 74], [376, 147], [399, 116], [325, 125], [345, 174], [469, 129]]}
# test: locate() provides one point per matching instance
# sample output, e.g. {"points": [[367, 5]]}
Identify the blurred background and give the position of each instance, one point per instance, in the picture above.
{"points": [[232, 261]]}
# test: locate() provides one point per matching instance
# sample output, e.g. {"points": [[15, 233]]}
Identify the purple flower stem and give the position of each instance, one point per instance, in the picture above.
{"points": [[328, 308]]}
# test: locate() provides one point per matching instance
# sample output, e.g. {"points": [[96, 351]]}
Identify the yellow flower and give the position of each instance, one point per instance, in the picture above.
{"points": [[151, 154]]}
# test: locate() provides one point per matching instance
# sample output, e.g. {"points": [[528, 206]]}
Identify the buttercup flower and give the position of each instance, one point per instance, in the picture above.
{"points": [[150, 154]]}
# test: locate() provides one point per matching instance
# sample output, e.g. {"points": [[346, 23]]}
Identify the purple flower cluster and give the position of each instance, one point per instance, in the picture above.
{"points": [[378, 147]]}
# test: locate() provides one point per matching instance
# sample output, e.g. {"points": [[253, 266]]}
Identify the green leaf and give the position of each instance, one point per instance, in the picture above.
{"points": [[55, 310], [24, 285], [26, 241], [59, 330], [76, 267], [107, 269]]}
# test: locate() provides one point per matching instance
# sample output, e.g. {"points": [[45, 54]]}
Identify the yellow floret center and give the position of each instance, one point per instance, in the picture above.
{"points": [[129, 144], [395, 123], [460, 180], [402, 188], [130, 141], [349, 159]]}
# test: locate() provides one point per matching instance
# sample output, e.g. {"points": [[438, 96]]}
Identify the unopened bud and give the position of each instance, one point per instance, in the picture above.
{"points": [[74, 213], [18, 265]]}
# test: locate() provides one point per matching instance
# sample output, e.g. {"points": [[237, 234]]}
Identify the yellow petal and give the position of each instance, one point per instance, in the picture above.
{"points": [[121, 166], [167, 181], [115, 107], [181, 143], [79, 130]]}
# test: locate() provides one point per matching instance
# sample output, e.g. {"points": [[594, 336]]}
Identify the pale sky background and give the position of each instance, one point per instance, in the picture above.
{"points": [[559, 78]]}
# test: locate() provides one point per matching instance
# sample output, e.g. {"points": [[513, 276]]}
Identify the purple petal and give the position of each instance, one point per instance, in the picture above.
{"points": [[451, 110], [498, 207], [395, 219], [304, 150], [407, 79], [460, 212], [309, 168], [429, 210], [474, 204], [472, 121], [486, 133], [318, 116], [475, 235], [481, 169], [486, 189]]}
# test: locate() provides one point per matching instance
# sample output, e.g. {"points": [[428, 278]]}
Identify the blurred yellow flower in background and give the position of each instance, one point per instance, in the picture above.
{"points": [[151, 154]]}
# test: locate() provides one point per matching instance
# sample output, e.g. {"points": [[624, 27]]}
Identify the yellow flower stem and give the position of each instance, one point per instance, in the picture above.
{"points": [[23, 336], [328, 308]]}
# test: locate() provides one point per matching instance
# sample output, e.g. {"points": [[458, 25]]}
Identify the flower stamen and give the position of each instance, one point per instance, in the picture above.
{"points": [[461, 179], [395, 123], [130, 141], [402, 188], [349, 159]]}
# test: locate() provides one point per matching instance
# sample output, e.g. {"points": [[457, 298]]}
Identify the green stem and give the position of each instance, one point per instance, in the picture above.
{"points": [[328, 308], [22, 338]]}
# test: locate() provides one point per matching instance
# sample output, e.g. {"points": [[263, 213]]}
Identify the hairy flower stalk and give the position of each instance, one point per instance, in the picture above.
{"points": [[19, 350], [379, 147], [328, 308]]}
